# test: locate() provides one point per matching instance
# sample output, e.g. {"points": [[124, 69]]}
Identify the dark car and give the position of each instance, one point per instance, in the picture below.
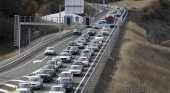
{"points": [[53, 62], [67, 82], [51, 67], [74, 50], [45, 74]]}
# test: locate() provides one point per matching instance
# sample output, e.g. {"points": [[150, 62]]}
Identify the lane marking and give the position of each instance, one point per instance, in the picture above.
{"points": [[37, 61], [3, 90], [22, 81], [10, 85], [32, 59]]}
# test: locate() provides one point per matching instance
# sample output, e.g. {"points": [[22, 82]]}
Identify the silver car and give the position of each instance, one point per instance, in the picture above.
{"points": [[53, 62], [65, 74], [59, 88], [58, 60], [75, 69], [36, 82], [80, 63], [25, 86], [80, 43]]}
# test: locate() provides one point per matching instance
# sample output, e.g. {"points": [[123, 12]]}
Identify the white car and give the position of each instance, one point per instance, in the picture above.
{"points": [[83, 39], [36, 82], [83, 59], [57, 89], [106, 27], [87, 51], [53, 62], [50, 50], [91, 50], [58, 60], [75, 69], [65, 57], [105, 32], [25, 86], [80, 43], [94, 47], [99, 37], [22, 90], [119, 13], [96, 42], [65, 74]]}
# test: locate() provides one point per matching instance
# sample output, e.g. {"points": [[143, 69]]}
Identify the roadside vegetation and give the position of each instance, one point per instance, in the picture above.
{"points": [[28, 8], [140, 65]]}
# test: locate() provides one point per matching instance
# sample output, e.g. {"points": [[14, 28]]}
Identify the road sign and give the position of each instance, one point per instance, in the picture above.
{"points": [[74, 6]]}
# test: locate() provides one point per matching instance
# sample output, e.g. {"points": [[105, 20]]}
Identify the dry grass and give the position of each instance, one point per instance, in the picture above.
{"points": [[68, 27], [143, 66], [133, 3]]}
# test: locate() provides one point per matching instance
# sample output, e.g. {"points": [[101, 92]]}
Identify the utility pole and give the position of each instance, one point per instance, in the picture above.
{"points": [[59, 19]]}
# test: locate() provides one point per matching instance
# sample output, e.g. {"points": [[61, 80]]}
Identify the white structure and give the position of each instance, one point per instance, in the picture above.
{"points": [[55, 17]]}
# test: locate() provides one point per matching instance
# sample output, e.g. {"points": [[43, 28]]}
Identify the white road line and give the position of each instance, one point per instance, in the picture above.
{"points": [[3, 90], [26, 76], [35, 72], [22, 81], [32, 59], [10, 85]]}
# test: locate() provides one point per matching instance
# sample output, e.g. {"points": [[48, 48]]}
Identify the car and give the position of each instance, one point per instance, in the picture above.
{"points": [[88, 51], [118, 14], [65, 74], [65, 57], [99, 37], [45, 74], [50, 50], [58, 60], [25, 86], [80, 44], [102, 21], [53, 62], [87, 55], [72, 43], [76, 32], [91, 50], [106, 27], [36, 82], [91, 32], [80, 63], [86, 36], [114, 10], [51, 67], [82, 39], [105, 32], [75, 69], [59, 88], [22, 90], [73, 49], [67, 82], [94, 47], [96, 42], [96, 27], [83, 59]]}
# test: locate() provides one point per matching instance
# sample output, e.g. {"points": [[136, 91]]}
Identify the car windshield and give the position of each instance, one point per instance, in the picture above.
{"points": [[64, 54], [93, 45], [64, 75], [79, 41], [34, 79], [22, 91], [74, 67], [71, 48], [72, 44], [77, 63], [44, 71], [82, 59], [51, 62], [85, 51], [23, 86], [99, 36], [64, 81], [56, 89], [47, 66], [50, 48], [56, 59]]}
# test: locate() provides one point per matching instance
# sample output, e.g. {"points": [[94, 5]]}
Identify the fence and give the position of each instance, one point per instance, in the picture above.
{"points": [[105, 50], [12, 60]]}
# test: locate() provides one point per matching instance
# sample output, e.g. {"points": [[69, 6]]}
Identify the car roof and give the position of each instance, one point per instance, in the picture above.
{"points": [[58, 85], [65, 72], [34, 76], [75, 65], [65, 78]]}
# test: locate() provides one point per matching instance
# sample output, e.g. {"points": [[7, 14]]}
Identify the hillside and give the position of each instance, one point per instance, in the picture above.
{"points": [[43, 8], [140, 65]]}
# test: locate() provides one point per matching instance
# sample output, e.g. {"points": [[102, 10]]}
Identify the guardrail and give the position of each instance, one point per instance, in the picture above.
{"points": [[105, 50], [12, 60]]}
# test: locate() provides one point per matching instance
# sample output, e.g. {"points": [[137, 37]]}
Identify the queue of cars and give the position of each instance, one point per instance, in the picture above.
{"points": [[65, 80]]}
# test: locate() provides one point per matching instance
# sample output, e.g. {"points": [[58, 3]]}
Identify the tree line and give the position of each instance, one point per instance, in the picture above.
{"points": [[9, 8]]}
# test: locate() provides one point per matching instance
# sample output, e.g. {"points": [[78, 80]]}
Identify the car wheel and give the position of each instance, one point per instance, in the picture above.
{"points": [[61, 65], [42, 85]]}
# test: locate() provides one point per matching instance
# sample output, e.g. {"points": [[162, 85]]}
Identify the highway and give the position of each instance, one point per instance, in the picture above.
{"points": [[29, 67]]}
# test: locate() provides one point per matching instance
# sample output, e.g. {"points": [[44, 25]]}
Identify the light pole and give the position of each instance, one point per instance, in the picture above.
{"points": [[60, 18]]}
